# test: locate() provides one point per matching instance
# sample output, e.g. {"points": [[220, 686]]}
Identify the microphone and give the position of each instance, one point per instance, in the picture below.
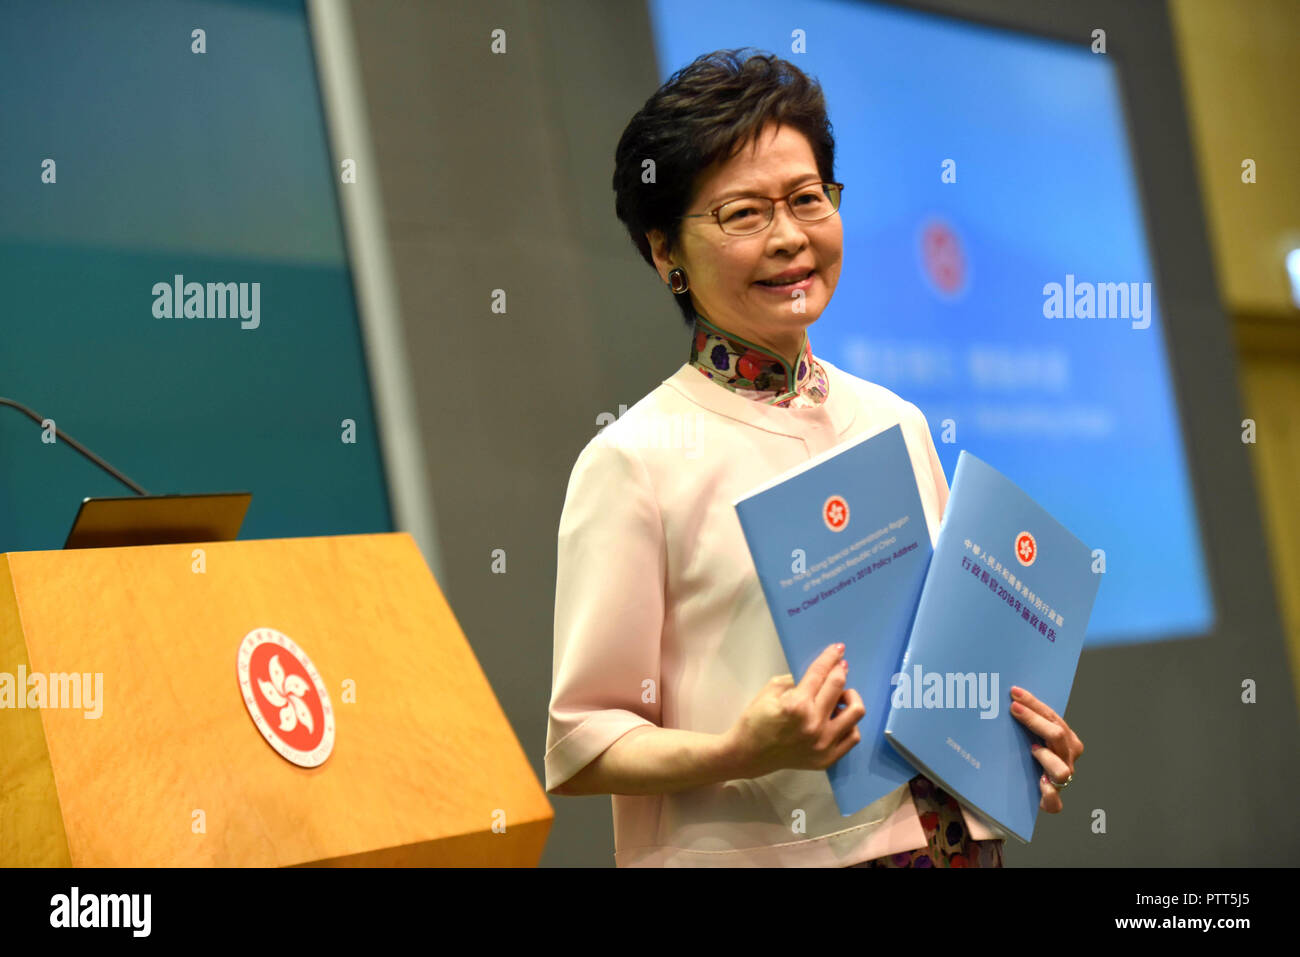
{"points": [[63, 436]]}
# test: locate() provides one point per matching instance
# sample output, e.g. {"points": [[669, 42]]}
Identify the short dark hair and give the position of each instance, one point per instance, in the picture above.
{"points": [[705, 112]]}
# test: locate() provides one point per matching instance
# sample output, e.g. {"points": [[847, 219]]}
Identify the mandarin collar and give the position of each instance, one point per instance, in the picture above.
{"points": [[738, 364]]}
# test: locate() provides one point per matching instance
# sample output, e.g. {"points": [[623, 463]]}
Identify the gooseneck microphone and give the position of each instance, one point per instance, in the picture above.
{"points": [[64, 437]]}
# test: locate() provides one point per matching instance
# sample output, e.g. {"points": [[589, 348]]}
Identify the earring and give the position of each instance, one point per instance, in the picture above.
{"points": [[677, 280]]}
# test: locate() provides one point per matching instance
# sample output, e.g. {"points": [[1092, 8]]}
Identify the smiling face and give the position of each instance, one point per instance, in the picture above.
{"points": [[723, 270]]}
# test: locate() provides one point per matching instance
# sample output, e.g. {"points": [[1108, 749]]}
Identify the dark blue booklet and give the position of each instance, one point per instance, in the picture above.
{"points": [[841, 546], [1006, 601]]}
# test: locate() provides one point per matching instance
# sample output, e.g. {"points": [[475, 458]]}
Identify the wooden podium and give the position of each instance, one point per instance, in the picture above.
{"points": [[424, 770]]}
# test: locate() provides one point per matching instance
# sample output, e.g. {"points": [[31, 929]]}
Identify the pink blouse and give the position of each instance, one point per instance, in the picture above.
{"points": [[660, 620]]}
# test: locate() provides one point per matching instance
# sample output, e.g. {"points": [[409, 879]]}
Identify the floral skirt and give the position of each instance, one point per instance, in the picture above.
{"points": [[948, 843]]}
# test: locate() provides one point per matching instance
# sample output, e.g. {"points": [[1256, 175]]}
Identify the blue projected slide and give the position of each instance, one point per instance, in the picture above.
{"points": [[997, 272]]}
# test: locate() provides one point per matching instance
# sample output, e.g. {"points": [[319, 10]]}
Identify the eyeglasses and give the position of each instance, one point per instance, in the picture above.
{"points": [[753, 214]]}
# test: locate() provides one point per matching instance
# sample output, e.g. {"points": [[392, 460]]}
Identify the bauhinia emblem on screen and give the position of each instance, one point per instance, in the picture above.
{"points": [[835, 512], [285, 697], [943, 259], [1026, 549]]}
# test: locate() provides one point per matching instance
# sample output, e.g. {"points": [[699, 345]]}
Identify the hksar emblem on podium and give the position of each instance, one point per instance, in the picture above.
{"points": [[1026, 548], [836, 513], [285, 697]]}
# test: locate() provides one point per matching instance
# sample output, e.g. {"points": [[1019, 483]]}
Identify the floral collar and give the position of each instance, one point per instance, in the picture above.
{"points": [[756, 372]]}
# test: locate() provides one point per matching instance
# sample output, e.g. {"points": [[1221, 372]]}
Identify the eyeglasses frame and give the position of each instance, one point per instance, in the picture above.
{"points": [[774, 200]]}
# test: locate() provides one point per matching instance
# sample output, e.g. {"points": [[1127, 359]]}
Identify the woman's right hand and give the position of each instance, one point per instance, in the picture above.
{"points": [[799, 726]]}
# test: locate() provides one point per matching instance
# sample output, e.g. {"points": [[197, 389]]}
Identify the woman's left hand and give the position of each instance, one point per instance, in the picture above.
{"points": [[1062, 749]]}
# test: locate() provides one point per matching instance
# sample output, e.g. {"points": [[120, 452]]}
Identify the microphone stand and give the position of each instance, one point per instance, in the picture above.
{"points": [[58, 434]]}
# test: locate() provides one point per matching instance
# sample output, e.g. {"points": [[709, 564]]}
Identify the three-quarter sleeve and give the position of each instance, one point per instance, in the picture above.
{"points": [[609, 609], [936, 468]]}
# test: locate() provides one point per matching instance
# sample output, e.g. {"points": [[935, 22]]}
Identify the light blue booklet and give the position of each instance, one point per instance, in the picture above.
{"points": [[1005, 602], [841, 545]]}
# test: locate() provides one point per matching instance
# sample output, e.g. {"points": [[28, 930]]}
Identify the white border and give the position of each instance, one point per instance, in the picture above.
{"points": [[381, 325]]}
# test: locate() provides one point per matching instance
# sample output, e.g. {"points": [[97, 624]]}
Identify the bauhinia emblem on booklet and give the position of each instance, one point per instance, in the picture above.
{"points": [[1026, 548], [835, 513], [285, 697]]}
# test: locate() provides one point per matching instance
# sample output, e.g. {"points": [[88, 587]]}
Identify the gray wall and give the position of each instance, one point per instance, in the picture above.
{"points": [[496, 174]]}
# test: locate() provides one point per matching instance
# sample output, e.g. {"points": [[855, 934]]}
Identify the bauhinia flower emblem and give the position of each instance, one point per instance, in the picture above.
{"points": [[285, 692], [305, 735]]}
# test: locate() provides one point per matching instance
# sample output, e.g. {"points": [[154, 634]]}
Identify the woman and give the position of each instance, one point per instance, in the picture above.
{"points": [[668, 690]]}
